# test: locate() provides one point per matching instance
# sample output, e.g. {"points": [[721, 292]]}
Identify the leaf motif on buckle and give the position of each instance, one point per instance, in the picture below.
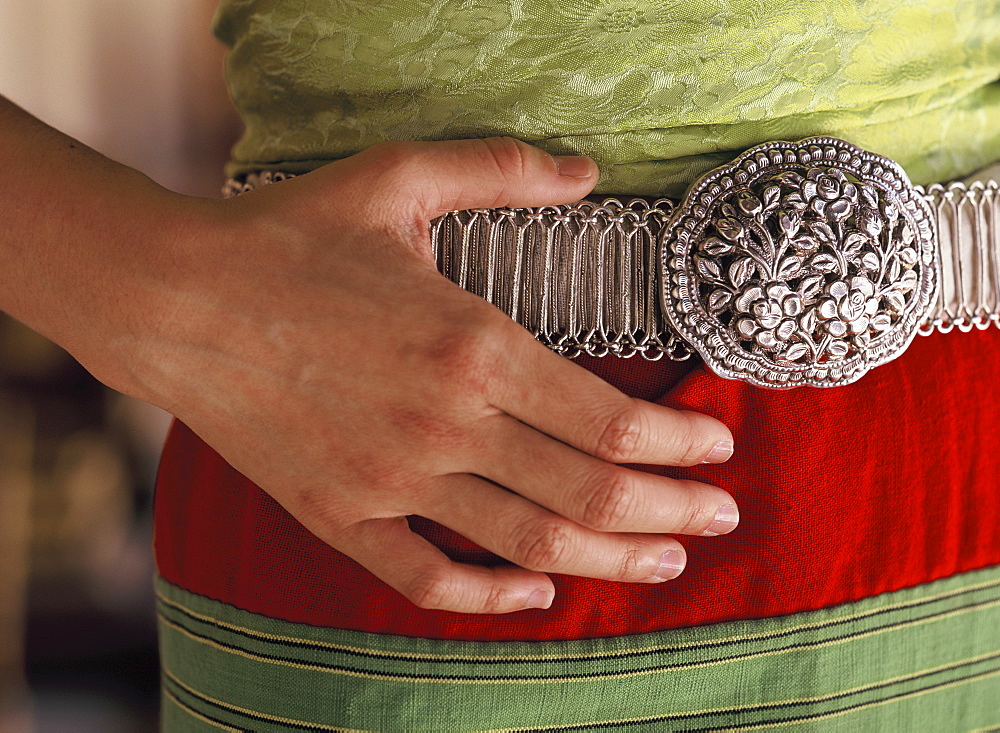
{"points": [[799, 263]]}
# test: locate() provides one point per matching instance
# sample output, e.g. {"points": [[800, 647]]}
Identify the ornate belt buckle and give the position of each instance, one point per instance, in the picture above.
{"points": [[803, 263]]}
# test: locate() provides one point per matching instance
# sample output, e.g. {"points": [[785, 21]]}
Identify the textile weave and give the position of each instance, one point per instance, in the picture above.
{"points": [[656, 92], [926, 658]]}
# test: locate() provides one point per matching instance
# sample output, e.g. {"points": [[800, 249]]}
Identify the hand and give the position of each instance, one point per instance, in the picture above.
{"points": [[303, 331]]}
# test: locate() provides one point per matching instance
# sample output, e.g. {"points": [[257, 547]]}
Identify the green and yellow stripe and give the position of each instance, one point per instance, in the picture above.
{"points": [[925, 658]]}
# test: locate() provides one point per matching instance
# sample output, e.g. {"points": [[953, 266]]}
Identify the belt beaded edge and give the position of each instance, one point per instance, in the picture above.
{"points": [[798, 263]]}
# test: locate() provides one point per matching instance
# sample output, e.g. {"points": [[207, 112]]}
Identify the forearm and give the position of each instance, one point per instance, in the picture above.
{"points": [[80, 241]]}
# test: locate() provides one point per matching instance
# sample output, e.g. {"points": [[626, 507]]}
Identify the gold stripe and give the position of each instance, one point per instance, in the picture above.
{"points": [[874, 704], [259, 658], [248, 711], [195, 714], [589, 678], [592, 655], [800, 700]]}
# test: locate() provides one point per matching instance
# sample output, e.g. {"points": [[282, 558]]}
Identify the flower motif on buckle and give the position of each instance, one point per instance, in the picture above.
{"points": [[768, 317], [804, 263]]}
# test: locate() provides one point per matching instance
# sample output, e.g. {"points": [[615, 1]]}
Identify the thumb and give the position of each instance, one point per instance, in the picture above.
{"points": [[437, 177]]}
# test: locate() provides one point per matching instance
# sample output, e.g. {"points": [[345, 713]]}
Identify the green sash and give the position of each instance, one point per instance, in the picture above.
{"points": [[925, 658], [656, 92]]}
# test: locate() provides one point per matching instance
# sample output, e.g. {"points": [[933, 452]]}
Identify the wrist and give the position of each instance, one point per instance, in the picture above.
{"points": [[139, 294], [88, 261]]}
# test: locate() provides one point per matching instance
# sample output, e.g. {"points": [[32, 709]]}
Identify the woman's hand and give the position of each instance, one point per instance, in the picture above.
{"points": [[303, 331]]}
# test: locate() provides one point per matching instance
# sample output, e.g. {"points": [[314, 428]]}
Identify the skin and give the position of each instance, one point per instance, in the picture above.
{"points": [[248, 320]]}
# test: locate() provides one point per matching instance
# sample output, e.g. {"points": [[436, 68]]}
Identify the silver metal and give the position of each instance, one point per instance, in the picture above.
{"points": [[968, 256], [802, 263], [797, 264], [234, 187], [581, 278]]}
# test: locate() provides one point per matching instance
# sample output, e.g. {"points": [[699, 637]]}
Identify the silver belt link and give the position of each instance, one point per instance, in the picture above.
{"points": [[730, 265], [968, 248], [581, 278]]}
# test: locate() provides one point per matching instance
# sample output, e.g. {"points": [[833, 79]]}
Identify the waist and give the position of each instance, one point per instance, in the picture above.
{"points": [[802, 263]]}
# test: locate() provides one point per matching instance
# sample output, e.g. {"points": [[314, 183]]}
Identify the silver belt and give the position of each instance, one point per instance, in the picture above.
{"points": [[803, 263]]}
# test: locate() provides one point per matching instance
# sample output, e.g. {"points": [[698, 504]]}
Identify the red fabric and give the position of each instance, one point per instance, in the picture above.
{"points": [[844, 493]]}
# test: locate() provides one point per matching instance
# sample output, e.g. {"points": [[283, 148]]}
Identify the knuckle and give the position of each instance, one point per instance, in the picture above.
{"points": [[432, 590], [330, 518], [509, 155], [696, 510], [620, 436], [406, 482], [498, 599], [691, 440], [393, 156], [394, 167], [468, 355], [422, 429], [630, 567], [543, 547], [611, 502]]}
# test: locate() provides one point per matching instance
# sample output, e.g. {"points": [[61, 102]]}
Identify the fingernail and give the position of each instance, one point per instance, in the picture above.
{"points": [[720, 453], [726, 519], [540, 599], [671, 564], [574, 166]]}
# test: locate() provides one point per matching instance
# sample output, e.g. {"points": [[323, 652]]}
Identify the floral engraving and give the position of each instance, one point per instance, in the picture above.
{"points": [[807, 266]]}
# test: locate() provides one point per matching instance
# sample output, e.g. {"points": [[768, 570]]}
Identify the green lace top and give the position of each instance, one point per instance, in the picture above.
{"points": [[656, 92]]}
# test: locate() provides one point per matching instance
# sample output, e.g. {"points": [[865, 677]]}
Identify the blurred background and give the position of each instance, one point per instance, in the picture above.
{"points": [[140, 81]]}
